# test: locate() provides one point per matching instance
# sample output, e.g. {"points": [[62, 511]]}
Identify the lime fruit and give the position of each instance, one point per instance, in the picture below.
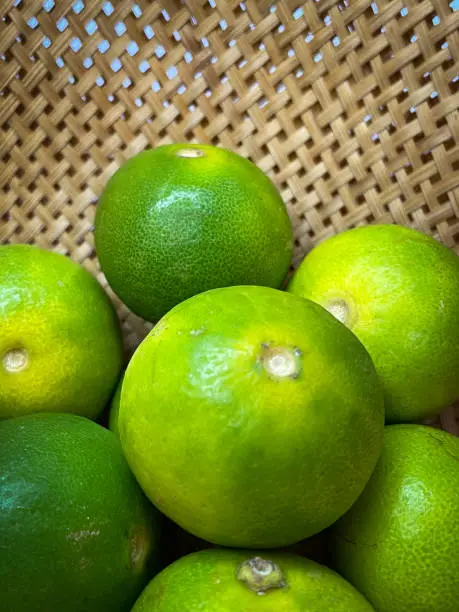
{"points": [[76, 532], [180, 219], [229, 580], [250, 417], [398, 291], [399, 544], [60, 340]]}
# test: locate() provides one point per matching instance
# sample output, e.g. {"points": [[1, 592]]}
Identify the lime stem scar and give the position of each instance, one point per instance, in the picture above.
{"points": [[260, 575], [281, 362], [15, 360], [190, 153], [139, 548], [339, 308]]}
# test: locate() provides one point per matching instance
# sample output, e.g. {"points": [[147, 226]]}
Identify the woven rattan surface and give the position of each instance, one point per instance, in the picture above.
{"points": [[351, 107]]}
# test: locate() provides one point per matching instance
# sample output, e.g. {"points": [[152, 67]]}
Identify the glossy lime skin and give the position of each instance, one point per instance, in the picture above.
{"points": [[232, 454], [168, 227], [59, 314], [403, 290], [399, 544], [206, 582], [76, 532]]}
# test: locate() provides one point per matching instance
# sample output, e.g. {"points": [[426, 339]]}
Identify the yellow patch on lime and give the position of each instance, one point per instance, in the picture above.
{"points": [[60, 340]]}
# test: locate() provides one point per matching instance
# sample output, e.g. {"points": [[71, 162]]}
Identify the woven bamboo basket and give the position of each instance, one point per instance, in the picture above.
{"points": [[350, 106]]}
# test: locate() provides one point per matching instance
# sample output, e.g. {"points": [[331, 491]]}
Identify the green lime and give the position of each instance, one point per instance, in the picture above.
{"points": [[251, 417], [238, 580], [60, 339], [399, 544], [76, 532], [180, 219], [398, 291]]}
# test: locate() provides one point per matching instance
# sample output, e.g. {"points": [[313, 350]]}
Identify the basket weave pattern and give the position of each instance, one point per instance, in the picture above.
{"points": [[351, 107]]}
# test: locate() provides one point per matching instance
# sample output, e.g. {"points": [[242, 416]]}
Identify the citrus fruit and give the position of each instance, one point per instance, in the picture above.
{"points": [[398, 291], [399, 544], [230, 580], [251, 417], [180, 219], [60, 340], [76, 532], [114, 409]]}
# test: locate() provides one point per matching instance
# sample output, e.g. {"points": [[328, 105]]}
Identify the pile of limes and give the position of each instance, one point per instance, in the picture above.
{"points": [[248, 423]]}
